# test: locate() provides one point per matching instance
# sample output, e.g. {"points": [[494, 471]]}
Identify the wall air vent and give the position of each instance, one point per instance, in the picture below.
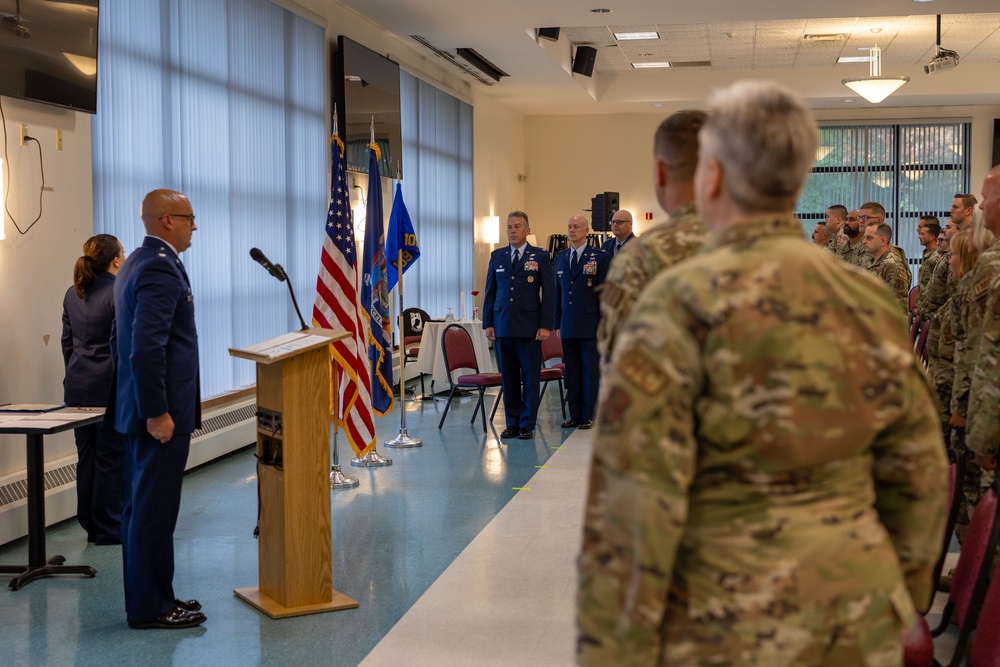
{"points": [[477, 60], [450, 57]]}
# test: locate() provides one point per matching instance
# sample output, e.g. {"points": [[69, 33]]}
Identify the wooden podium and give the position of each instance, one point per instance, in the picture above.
{"points": [[293, 449]]}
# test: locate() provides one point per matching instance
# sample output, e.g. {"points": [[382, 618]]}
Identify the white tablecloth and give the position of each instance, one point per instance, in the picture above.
{"points": [[431, 360]]}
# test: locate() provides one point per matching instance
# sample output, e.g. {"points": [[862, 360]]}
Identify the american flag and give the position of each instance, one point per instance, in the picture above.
{"points": [[336, 307]]}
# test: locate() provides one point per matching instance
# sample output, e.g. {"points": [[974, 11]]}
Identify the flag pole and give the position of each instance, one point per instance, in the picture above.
{"points": [[403, 439], [338, 480], [372, 459]]}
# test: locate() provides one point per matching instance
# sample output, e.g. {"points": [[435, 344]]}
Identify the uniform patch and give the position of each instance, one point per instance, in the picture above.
{"points": [[612, 294], [590, 268], [530, 265], [641, 372], [981, 288], [613, 407]]}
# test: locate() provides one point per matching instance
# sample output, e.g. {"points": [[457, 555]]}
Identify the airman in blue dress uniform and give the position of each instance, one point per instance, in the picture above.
{"points": [[518, 309]]}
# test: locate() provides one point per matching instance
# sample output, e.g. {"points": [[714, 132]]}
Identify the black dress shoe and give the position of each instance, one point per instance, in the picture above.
{"points": [[586, 423], [509, 432], [187, 605], [176, 618], [526, 434], [572, 423]]}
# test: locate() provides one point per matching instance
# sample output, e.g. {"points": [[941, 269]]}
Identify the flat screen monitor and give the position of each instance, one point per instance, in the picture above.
{"points": [[366, 87], [48, 52]]}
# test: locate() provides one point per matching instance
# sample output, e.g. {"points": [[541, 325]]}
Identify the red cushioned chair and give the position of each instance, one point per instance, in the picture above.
{"points": [[921, 346], [456, 345], [955, 472], [912, 298], [914, 328], [548, 374], [968, 584], [984, 650]]}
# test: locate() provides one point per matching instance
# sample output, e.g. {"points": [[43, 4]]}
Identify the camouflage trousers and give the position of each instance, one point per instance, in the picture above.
{"points": [[974, 480]]}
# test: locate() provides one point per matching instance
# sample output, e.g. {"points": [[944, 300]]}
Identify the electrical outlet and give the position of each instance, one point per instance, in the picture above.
{"points": [[59, 145], [24, 132]]}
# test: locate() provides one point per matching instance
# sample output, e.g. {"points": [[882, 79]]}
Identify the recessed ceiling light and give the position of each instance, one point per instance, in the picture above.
{"points": [[601, 10], [923, 0], [622, 36], [849, 100], [650, 65], [657, 104], [854, 59]]}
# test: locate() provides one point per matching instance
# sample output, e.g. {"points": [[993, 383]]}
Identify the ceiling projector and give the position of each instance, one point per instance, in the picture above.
{"points": [[944, 60]]}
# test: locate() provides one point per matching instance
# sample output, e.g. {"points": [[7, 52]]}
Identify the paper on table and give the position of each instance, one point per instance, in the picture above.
{"points": [[30, 407]]}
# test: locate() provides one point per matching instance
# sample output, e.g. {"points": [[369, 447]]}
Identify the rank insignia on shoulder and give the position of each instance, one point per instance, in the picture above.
{"points": [[641, 371]]}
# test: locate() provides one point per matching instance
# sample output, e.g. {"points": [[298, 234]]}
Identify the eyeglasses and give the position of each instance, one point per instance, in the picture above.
{"points": [[619, 222], [866, 218], [189, 216]]}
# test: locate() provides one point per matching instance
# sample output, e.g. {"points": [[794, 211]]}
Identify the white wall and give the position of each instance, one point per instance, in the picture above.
{"points": [[498, 159], [37, 268]]}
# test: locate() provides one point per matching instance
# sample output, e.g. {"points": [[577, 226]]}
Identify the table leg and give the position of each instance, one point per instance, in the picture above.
{"points": [[38, 566]]}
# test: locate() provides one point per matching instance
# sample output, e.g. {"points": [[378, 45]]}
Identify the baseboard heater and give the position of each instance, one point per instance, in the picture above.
{"points": [[224, 429]]}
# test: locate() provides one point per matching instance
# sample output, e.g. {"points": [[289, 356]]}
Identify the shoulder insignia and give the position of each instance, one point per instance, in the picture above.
{"points": [[980, 288], [641, 371], [613, 407]]}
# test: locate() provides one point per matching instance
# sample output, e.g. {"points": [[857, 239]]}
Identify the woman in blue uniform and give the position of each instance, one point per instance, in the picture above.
{"points": [[88, 314]]}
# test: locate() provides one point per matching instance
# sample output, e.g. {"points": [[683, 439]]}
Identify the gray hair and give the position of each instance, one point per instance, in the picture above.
{"points": [[764, 137], [982, 237]]}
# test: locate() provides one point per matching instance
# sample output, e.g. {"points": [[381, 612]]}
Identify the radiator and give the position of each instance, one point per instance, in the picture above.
{"points": [[224, 429]]}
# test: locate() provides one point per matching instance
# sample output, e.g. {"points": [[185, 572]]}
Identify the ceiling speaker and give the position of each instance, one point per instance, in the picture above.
{"points": [[551, 34], [583, 64]]}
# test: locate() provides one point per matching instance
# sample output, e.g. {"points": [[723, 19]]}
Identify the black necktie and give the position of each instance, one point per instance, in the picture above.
{"points": [[517, 257], [572, 261], [618, 247]]}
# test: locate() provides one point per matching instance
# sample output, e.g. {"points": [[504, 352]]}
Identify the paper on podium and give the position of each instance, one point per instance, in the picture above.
{"points": [[286, 344]]}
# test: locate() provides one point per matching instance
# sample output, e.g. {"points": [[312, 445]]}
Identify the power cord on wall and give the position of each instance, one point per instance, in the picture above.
{"points": [[6, 161]]}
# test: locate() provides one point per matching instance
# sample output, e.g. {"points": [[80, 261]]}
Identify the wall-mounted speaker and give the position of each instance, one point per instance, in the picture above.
{"points": [[551, 34], [996, 142], [583, 64]]}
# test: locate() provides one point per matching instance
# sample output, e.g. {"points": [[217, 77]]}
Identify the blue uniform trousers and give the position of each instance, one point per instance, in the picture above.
{"points": [[520, 361], [583, 375], [153, 477]]}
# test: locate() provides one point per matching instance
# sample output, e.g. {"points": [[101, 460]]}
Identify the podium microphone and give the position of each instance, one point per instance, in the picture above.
{"points": [[274, 270], [278, 272]]}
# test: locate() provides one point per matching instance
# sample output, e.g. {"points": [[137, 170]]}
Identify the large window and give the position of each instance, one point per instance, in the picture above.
{"points": [[437, 148], [223, 100], [912, 169]]}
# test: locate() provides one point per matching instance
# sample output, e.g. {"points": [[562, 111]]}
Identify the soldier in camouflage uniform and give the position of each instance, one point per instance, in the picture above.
{"points": [[940, 340], [883, 263], [675, 154], [853, 252], [983, 435], [873, 212], [752, 502], [927, 232], [836, 216]]}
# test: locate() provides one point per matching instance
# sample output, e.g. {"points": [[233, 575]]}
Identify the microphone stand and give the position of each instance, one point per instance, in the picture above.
{"points": [[291, 291]]}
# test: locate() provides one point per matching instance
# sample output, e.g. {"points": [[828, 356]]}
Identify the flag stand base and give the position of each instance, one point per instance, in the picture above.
{"points": [[339, 480], [403, 440], [371, 460]]}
